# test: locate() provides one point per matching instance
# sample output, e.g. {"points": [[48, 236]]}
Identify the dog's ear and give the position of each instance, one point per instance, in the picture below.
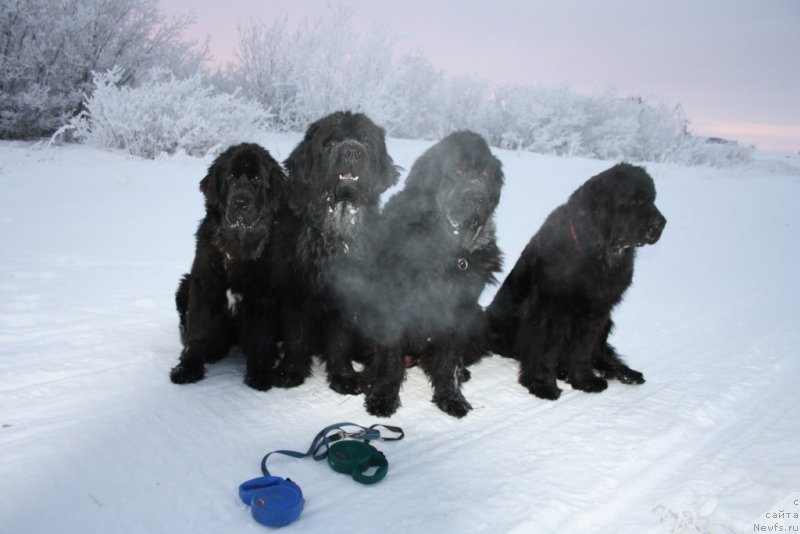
{"points": [[209, 184], [279, 185], [296, 187], [588, 209], [497, 178], [388, 173], [584, 198], [425, 171], [300, 163], [497, 170], [275, 177], [300, 169]]}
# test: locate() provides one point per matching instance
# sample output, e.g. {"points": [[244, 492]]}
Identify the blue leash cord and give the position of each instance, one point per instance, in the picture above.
{"points": [[326, 436]]}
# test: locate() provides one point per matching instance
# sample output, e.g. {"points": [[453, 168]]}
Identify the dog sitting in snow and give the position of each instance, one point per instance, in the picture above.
{"points": [[225, 300], [431, 256], [337, 174], [553, 311]]}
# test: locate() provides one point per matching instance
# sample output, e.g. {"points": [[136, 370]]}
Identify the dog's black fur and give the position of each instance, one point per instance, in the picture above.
{"points": [[553, 311], [433, 255], [225, 300], [337, 174]]}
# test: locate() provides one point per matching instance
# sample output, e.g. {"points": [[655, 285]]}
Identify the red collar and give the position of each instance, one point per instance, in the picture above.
{"points": [[574, 235]]}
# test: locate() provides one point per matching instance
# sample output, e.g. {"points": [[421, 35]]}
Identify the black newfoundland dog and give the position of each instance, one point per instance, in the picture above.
{"points": [[432, 256], [225, 300], [337, 174], [553, 311]]}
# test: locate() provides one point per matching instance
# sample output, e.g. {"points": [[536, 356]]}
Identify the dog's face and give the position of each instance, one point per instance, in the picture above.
{"points": [[343, 158], [243, 186], [464, 178], [621, 202]]}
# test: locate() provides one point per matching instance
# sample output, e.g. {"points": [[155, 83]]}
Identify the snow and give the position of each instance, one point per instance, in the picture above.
{"points": [[95, 438]]}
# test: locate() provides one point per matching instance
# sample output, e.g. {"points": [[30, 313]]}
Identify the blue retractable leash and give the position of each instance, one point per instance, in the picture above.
{"points": [[276, 502]]}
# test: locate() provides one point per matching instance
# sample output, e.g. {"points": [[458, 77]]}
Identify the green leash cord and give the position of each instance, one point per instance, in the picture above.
{"points": [[348, 452]]}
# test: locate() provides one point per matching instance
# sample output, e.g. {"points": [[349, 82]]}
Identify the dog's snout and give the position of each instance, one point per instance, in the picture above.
{"points": [[351, 150], [476, 189], [655, 227], [659, 221], [241, 205], [352, 153], [476, 198]]}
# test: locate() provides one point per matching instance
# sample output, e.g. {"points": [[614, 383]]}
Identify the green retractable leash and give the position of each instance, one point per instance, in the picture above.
{"points": [[276, 501]]}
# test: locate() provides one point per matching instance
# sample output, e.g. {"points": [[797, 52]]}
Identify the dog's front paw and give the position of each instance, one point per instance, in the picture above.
{"points": [[186, 374], [261, 381], [382, 405], [590, 384], [285, 379], [455, 405], [544, 391], [345, 384], [626, 375]]}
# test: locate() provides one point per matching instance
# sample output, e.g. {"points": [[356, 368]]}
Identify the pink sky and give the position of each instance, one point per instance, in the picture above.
{"points": [[734, 65]]}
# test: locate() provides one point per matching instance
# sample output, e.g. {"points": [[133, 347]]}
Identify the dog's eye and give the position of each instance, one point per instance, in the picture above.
{"points": [[459, 172], [255, 178], [486, 174], [230, 177]]}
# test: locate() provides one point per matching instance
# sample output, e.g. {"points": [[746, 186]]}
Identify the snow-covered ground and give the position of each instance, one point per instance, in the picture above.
{"points": [[95, 438]]}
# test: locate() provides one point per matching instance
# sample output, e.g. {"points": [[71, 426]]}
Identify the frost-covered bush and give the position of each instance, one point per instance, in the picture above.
{"points": [[163, 114], [304, 73], [48, 51], [691, 150]]}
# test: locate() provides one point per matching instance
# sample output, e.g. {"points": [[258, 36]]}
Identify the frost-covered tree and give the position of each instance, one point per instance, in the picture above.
{"points": [[413, 90], [49, 49], [266, 72], [319, 66]]}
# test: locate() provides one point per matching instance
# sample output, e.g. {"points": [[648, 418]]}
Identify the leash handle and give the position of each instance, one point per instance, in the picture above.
{"points": [[396, 429], [378, 461]]}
